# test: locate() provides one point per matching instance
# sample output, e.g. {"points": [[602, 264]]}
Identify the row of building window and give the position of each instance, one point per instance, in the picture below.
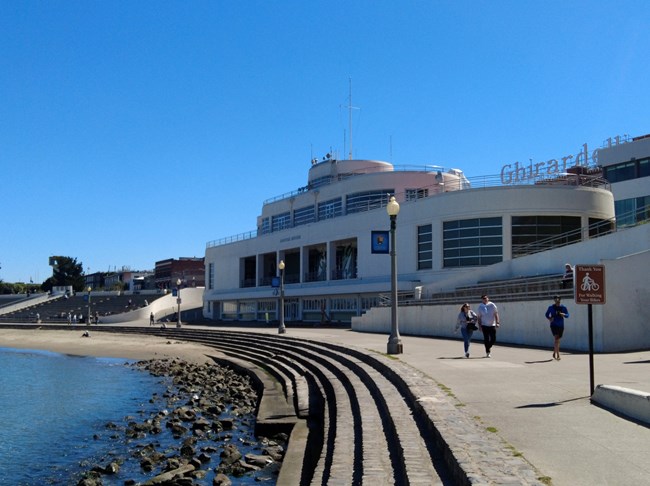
{"points": [[630, 212], [474, 241], [479, 241], [634, 210], [625, 171], [314, 308], [333, 208]]}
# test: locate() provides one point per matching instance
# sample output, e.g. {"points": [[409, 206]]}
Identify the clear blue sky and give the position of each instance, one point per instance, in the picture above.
{"points": [[135, 131]]}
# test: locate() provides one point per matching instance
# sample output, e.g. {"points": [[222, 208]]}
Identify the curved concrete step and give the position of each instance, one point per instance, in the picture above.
{"points": [[344, 382], [374, 436]]}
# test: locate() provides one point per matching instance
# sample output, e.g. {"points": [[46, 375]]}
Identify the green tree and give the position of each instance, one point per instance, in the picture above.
{"points": [[66, 271], [118, 286]]}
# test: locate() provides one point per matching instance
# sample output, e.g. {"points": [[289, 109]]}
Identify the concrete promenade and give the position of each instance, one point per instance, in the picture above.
{"points": [[539, 406]]}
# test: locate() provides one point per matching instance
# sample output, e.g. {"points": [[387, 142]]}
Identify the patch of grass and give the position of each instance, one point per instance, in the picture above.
{"points": [[515, 452], [447, 390], [391, 356]]}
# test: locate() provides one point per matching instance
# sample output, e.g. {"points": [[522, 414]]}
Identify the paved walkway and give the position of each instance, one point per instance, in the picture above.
{"points": [[540, 406]]}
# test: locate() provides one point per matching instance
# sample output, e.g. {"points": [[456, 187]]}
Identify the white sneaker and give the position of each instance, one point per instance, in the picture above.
{"points": [[488, 355]]}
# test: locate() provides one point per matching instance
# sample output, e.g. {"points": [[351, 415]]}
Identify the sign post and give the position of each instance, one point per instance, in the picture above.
{"points": [[589, 288]]}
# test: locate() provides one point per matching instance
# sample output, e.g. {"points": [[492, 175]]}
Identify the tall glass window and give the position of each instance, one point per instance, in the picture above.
{"points": [[425, 247], [211, 276], [343, 303], [313, 304], [531, 234], [599, 227], [642, 211], [472, 242], [630, 212], [621, 172], [368, 302], [329, 209], [304, 215], [281, 221], [413, 194], [266, 226], [644, 167]]}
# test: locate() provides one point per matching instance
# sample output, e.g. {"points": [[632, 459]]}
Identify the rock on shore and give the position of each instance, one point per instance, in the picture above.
{"points": [[202, 408]]}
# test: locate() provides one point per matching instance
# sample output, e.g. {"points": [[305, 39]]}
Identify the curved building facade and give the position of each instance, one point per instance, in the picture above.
{"points": [[447, 225]]}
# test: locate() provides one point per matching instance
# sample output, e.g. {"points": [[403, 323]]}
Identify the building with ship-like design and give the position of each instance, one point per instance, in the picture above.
{"points": [[452, 231]]}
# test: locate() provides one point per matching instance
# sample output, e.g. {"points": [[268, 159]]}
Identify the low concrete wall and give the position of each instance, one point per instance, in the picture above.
{"points": [[615, 325], [521, 323], [632, 403]]}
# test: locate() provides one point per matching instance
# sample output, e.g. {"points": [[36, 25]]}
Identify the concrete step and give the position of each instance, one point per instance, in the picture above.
{"points": [[372, 418]]}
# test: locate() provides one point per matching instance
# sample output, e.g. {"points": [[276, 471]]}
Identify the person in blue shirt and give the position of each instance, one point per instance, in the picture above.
{"points": [[556, 314]]}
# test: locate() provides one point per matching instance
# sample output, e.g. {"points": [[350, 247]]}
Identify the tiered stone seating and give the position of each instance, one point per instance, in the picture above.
{"points": [[56, 310], [12, 299]]}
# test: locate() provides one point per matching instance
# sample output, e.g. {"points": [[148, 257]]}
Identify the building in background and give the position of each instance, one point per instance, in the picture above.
{"points": [[626, 165], [190, 270], [123, 279]]}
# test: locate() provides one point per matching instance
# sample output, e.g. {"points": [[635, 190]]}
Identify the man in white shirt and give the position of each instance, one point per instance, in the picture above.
{"points": [[488, 321]]}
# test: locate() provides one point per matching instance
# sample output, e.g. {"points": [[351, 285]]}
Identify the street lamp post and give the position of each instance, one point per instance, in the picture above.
{"points": [[88, 319], [282, 328], [178, 301], [394, 341]]}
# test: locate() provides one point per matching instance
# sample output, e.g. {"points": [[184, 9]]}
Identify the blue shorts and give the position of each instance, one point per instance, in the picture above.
{"points": [[557, 330]]}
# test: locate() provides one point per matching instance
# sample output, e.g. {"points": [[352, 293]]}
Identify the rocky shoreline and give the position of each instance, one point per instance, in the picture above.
{"points": [[193, 435]]}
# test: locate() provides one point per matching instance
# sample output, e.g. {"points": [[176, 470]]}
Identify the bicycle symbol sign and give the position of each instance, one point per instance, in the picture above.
{"points": [[590, 284]]}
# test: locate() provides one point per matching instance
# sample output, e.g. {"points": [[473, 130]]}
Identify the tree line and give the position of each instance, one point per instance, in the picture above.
{"points": [[66, 271]]}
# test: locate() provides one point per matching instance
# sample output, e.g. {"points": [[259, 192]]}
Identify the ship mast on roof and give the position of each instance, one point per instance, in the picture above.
{"points": [[350, 108]]}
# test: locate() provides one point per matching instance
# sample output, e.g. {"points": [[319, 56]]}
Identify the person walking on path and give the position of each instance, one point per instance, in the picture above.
{"points": [[151, 319], [488, 321], [466, 322], [556, 313]]}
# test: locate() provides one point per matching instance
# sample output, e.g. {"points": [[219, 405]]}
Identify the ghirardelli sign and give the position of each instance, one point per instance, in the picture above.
{"points": [[521, 172]]}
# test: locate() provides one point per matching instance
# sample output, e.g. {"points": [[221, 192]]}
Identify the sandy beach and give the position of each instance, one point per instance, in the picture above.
{"points": [[104, 344]]}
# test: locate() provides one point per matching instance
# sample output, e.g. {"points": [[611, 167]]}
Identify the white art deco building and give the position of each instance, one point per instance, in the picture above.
{"points": [[451, 229]]}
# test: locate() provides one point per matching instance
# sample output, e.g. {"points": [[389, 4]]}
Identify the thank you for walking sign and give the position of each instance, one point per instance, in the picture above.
{"points": [[589, 288], [589, 284]]}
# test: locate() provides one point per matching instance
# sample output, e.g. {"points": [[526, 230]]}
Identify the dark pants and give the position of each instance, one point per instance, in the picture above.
{"points": [[489, 337]]}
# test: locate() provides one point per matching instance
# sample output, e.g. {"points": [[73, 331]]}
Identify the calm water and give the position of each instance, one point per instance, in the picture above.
{"points": [[54, 409], [51, 405]]}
